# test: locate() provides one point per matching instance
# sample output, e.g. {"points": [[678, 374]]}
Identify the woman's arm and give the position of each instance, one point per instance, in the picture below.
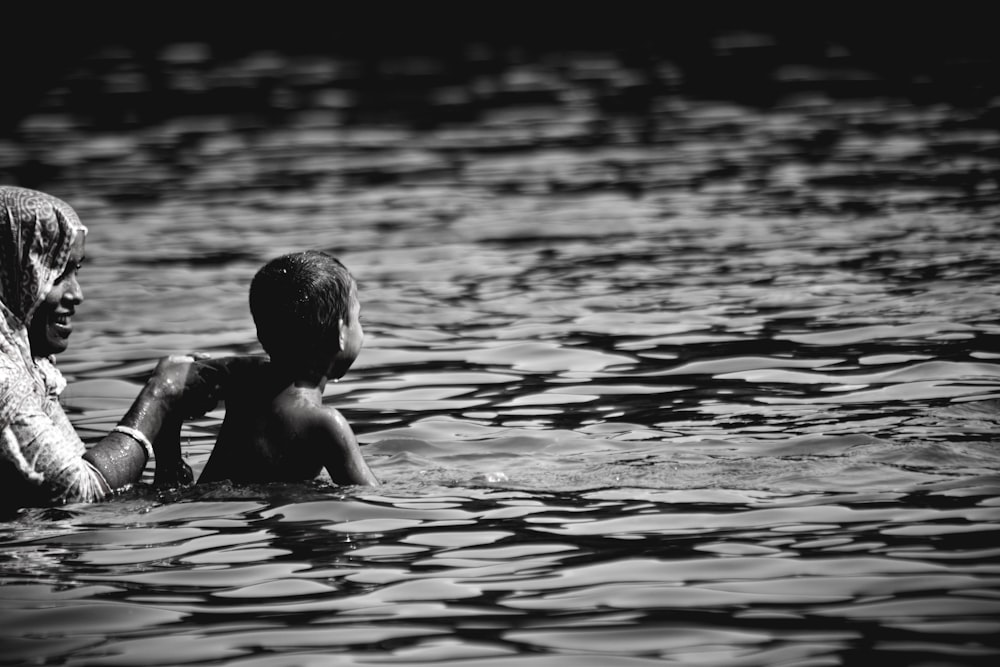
{"points": [[171, 469], [41, 448], [180, 387], [121, 457]]}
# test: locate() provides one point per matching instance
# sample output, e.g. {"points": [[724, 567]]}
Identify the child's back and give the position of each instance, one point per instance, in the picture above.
{"points": [[275, 431], [276, 426]]}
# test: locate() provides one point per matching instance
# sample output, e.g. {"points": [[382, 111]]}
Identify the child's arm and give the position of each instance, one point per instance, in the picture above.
{"points": [[341, 454]]}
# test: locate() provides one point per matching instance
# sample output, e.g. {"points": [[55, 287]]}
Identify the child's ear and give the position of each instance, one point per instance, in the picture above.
{"points": [[341, 334]]}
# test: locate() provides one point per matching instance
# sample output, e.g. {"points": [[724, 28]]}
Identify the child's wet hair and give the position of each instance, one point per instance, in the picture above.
{"points": [[298, 301]]}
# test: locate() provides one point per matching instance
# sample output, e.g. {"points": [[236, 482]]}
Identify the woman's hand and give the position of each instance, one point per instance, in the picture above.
{"points": [[191, 383], [172, 473], [170, 377]]}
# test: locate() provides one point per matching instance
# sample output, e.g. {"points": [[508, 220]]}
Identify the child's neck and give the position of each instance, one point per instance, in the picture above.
{"points": [[309, 381], [305, 379]]}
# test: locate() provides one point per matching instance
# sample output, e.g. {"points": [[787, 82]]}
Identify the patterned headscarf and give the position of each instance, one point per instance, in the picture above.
{"points": [[37, 232], [36, 236]]}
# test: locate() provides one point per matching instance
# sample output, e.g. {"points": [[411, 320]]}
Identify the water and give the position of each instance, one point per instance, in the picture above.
{"points": [[653, 374]]}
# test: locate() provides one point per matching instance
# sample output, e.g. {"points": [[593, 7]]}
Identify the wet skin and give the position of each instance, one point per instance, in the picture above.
{"points": [[277, 427]]}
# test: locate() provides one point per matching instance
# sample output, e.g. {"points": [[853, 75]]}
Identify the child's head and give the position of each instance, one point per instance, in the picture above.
{"points": [[306, 309]]}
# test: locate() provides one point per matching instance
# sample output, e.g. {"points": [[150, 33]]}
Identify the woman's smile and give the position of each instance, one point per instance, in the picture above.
{"points": [[62, 323], [50, 329]]}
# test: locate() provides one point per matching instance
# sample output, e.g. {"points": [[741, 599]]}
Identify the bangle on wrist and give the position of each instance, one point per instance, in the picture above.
{"points": [[136, 435]]}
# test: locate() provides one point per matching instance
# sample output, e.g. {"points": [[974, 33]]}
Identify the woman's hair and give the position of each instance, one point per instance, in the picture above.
{"points": [[298, 302]]}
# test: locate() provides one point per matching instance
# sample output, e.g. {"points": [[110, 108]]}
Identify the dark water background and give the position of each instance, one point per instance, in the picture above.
{"points": [[681, 334]]}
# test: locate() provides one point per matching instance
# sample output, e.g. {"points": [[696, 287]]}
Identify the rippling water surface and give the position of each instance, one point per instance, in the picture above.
{"points": [[650, 375]]}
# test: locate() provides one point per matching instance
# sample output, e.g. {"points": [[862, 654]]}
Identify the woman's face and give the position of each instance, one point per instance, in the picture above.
{"points": [[51, 324]]}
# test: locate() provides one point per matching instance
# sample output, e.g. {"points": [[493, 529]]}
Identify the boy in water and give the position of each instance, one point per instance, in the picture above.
{"points": [[276, 429]]}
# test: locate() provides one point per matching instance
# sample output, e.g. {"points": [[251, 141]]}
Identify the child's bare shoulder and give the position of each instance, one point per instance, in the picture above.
{"points": [[329, 421], [317, 424], [305, 413]]}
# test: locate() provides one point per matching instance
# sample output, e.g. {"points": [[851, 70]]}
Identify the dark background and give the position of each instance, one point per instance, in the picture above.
{"points": [[944, 50]]}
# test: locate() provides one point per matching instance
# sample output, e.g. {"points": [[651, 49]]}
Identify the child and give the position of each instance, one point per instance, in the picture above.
{"points": [[276, 429]]}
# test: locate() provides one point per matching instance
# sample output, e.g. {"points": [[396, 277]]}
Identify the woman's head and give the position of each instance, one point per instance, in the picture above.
{"points": [[306, 309], [41, 247]]}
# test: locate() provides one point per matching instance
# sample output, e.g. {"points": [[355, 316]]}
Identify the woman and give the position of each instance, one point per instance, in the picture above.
{"points": [[42, 460]]}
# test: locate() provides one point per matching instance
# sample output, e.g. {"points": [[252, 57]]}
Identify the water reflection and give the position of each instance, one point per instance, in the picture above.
{"points": [[502, 572], [653, 372]]}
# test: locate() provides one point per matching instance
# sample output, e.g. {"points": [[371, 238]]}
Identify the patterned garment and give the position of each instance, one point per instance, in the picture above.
{"points": [[37, 442]]}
